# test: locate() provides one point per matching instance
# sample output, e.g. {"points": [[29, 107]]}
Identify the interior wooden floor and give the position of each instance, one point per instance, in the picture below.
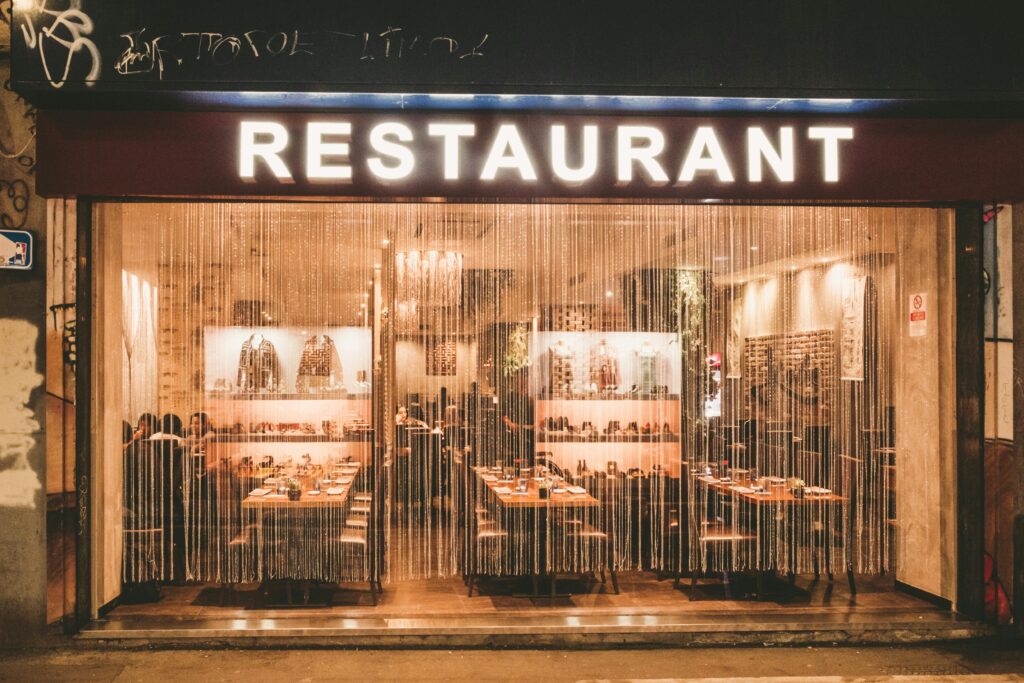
{"points": [[640, 593]]}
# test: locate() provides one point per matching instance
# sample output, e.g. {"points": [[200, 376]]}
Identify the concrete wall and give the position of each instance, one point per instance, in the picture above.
{"points": [[926, 429], [23, 568]]}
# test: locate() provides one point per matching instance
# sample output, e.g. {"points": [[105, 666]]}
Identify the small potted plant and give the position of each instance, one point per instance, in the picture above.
{"points": [[294, 489], [544, 489], [796, 487]]}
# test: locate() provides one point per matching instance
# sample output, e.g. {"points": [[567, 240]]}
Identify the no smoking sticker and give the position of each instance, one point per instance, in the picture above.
{"points": [[918, 320]]}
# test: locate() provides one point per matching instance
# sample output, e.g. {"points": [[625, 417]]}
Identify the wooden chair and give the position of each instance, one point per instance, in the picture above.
{"points": [[353, 543], [486, 536], [889, 486], [719, 535], [587, 532], [355, 539], [241, 551], [598, 543], [843, 526]]}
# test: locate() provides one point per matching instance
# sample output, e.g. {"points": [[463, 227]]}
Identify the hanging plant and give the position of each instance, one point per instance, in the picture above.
{"points": [[689, 303], [517, 355]]}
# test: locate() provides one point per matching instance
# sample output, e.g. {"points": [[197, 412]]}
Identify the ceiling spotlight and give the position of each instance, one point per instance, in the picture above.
{"points": [[609, 294], [721, 258], [792, 267], [753, 248], [385, 241], [376, 266], [362, 305]]}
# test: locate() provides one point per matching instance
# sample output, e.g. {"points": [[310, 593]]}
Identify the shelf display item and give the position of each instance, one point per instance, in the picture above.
{"points": [[562, 372], [259, 368], [320, 368], [648, 369], [604, 367]]}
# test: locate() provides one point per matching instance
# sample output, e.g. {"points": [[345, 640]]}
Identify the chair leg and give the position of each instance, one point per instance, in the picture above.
{"points": [[849, 577], [469, 584], [693, 584], [615, 580], [725, 584]]}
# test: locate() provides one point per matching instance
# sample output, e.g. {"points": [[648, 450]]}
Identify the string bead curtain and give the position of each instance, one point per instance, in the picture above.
{"points": [[718, 381]]}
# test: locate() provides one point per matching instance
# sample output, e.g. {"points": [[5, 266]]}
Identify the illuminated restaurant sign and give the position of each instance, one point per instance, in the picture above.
{"points": [[570, 155], [525, 156]]}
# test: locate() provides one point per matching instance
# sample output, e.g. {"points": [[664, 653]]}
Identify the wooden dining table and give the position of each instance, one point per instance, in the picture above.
{"points": [[531, 498], [778, 495], [306, 519], [308, 498], [530, 501]]}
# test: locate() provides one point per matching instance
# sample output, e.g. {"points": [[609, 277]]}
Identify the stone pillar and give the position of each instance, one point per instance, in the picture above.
{"points": [[22, 396]]}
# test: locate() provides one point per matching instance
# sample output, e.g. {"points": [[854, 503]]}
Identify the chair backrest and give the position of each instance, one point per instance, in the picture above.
{"points": [[774, 461], [810, 466], [847, 472]]}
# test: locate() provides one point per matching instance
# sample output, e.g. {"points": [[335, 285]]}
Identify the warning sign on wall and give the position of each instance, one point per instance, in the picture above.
{"points": [[918, 322]]}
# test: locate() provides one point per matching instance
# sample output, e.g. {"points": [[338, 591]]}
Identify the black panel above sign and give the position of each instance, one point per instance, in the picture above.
{"points": [[82, 51]]}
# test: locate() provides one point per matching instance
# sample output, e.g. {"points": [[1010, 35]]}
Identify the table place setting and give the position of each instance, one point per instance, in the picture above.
{"points": [[335, 491], [502, 490], [259, 492]]}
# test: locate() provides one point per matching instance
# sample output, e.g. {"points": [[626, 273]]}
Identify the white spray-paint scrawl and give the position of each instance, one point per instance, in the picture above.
{"points": [[18, 426]]}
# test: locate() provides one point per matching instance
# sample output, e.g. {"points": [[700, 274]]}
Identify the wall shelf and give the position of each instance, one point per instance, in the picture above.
{"points": [[614, 438], [286, 397], [290, 438]]}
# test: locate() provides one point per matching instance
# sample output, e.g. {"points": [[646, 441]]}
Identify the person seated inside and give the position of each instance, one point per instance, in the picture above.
{"points": [[200, 431], [147, 426], [170, 430], [402, 418]]}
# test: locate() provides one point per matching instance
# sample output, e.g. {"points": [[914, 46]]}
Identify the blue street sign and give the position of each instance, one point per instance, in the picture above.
{"points": [[15, 250]]}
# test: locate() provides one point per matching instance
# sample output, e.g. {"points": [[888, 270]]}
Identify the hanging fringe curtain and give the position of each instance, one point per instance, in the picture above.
{"points": [[709, 387]]}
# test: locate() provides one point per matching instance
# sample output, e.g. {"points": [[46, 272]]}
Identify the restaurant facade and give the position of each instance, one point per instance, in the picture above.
{"points": [[398, 326]]}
